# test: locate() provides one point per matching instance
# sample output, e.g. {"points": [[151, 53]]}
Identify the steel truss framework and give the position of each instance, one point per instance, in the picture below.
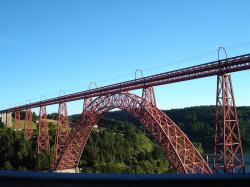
{"points": [[62, 132], [227, 150], [148, 95], [234, 64], [17, 120], [43, 144], [86, 102], [175, 144], [28, 128]]}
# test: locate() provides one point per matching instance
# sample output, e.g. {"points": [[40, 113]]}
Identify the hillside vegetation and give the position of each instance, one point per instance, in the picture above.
{"points": [[119, 144], [198, 123]]}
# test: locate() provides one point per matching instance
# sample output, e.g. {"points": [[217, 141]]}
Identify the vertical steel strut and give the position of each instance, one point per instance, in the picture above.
{"points": [[148, 95], [228, 154], [43, 144], [28, 129], [62, 131]]}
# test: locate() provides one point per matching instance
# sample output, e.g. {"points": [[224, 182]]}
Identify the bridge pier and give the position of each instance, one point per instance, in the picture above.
{"points": [[62, 132], [9, 121], [228, 153], [1, 116], [17, 120], [6, 119], [43, 143], [28, 125]]}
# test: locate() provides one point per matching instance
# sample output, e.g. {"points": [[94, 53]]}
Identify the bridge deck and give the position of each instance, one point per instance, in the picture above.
{"points": [[228, 65]]}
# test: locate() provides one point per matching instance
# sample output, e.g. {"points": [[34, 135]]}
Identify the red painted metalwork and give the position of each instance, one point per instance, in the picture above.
{"points": [[28, 125], [62, 132], [43, 144], [86, 102], [17, 120], [228, 149], [238, 63], [148, 95], [175, 144]]}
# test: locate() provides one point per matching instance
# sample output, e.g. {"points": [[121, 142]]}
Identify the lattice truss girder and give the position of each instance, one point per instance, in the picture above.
{"points": [[176, 146], [228, 149]]}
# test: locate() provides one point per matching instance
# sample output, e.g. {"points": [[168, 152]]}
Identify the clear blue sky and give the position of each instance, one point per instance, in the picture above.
{"points": [[52, 45]]}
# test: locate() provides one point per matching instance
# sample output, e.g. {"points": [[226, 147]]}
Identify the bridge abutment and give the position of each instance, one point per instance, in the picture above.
{"points": [[73, 170]]}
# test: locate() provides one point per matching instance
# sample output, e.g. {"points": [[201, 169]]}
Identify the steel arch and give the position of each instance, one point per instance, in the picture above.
{"points": [[176, 146]]}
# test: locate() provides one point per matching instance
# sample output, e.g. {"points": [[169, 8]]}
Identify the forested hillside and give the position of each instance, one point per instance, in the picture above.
{"points": [[198, 123], [119, 144]]}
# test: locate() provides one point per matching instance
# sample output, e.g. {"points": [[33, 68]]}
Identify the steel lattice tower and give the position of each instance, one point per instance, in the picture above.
{"points": [[17, 122], [43, 132], [62, 132], [28, 129], [148, 95], [228, 155]]}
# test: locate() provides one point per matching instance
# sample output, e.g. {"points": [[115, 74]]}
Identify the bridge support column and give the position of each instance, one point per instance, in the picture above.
{"points": [[2, 116], [62, 132], [9, 122], [43, 144], [28, 128], [228, 154], [148, 95], [17, 120]]}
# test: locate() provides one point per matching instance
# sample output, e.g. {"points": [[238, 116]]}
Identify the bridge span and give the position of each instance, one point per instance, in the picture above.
{"points": [[219, 67], [176, 146]]}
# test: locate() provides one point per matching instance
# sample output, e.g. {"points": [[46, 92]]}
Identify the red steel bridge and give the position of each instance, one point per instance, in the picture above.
{"points": [[176, 146]]}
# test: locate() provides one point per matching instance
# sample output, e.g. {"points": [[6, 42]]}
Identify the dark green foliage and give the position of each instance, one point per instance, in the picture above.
{"points": [[1, 125], [15, 152], [43, 161], [18, 154], [52, 116], [34, 117], [120, 147], [199, 123], [115, 147], [119, 144]]}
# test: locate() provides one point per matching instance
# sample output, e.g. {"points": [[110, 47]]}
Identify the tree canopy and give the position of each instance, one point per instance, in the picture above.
{"points": [[120, 144]]}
